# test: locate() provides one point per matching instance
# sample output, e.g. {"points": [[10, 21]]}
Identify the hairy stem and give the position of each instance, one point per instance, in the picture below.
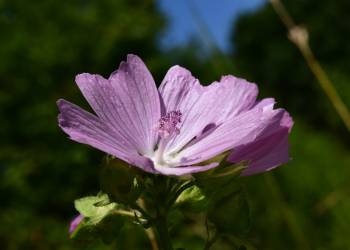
{"points": [[157, 203], [210, 242], [161, 227]]}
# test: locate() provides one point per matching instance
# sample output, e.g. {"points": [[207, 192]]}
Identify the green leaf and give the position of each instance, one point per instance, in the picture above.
{"points": [[85, 232], [106, 229], [102, 219], [192, 199], [91, 207], [110, 227]]}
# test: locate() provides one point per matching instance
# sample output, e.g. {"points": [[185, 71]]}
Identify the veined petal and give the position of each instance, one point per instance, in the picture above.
{"points": [[86, 128], [264, 154], [268, 151], [240, 130], [178, 171], [203, 106], [266, 103], [179, 89], [128, 101], [235, 96]]}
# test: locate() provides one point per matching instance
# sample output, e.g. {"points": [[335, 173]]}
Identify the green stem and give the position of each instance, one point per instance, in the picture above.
{"points": [[161, 190], [161, 227], [210, 242]]}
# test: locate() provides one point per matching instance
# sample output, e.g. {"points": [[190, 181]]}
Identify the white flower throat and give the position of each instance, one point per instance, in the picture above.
{"points": [[167, 129]]}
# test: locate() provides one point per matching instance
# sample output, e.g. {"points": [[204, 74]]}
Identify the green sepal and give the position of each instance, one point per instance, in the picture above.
{"points": [[220, 179], [192, 199], [228, 209], [120, 181], [221, 158], [225, 171]]}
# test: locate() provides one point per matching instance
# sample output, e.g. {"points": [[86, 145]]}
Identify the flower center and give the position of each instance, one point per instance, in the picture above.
{"points": [[168, 124], [167, 128]]}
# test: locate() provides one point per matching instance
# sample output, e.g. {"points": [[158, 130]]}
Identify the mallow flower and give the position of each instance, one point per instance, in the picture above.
{"points": [[175, 129]]}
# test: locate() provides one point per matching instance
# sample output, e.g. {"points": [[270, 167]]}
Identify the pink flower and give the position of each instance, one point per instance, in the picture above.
{"points": [[173, 129], [75, 222]]}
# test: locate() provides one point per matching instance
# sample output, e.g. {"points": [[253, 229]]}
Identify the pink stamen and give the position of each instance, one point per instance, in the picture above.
{"points": [[168, 124]]}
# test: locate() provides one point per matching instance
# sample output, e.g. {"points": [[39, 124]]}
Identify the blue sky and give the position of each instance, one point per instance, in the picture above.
{"points": [[218, 16]]}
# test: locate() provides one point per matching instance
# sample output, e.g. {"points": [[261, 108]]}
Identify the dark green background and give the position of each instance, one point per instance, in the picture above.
{"points": [[44, 44]]}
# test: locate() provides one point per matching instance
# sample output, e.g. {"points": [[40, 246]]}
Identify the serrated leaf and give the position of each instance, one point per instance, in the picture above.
{"points": [[88, 208], [101, 219], [107, 229]]}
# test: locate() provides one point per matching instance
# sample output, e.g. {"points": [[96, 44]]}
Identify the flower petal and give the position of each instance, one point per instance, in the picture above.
{"points": [[179, 89], [203, 106], [240, 130], [86, 128], [178, 171], [128, 101], [235, 96], [75, 222], [268, 151]]}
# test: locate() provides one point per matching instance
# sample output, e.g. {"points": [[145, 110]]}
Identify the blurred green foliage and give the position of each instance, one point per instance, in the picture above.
{"points": [[304, 205], [44, 44]]}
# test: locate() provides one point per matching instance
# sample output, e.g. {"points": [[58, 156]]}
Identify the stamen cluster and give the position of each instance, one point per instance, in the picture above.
{"points": [[168, 124]]}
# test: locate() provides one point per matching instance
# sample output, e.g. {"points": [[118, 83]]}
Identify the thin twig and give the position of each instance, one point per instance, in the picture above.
{"points": [[152, 238], [299, 36], [283, 13]]}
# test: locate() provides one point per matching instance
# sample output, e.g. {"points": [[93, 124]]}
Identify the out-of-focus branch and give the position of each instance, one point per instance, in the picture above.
{"points": [[152, 238], [300, 37], [288, 214]]}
